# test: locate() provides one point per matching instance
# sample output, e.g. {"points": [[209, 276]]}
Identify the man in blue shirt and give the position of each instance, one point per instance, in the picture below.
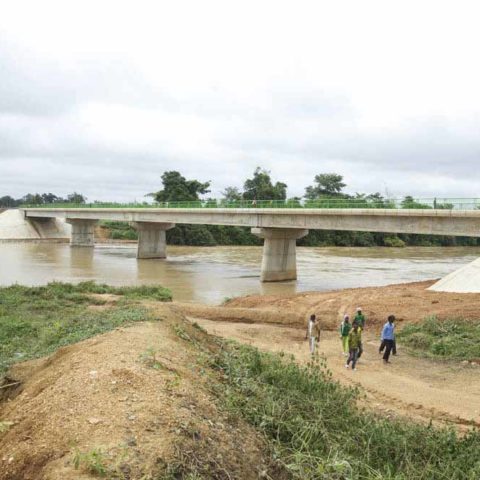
{"points": [[388, 337]]}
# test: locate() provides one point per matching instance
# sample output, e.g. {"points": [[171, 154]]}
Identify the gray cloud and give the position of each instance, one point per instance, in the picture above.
{"points": [[97, 124]]}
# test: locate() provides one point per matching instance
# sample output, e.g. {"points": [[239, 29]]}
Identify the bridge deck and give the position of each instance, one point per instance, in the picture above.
{"points": [[423, 221]]}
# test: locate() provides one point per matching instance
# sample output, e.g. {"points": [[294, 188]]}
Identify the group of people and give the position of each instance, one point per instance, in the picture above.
{"points": [[351, 336]]}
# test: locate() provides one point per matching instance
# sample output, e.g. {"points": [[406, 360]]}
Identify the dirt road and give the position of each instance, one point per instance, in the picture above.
{"points": [[419, 388]]}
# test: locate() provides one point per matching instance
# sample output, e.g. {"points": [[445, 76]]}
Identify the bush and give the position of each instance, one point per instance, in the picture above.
{"points": [[317, 431], [420, 340], [451, 338], [393, 241], [120, 230]]}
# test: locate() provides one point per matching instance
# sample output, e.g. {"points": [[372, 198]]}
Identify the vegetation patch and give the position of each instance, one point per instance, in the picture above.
{"points": [[457, 339], [92, 461], [119, 230], [36, 321], [317, 431]]}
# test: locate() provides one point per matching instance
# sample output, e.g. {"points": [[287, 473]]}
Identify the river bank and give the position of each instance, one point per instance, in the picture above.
{"points": [[209, 275], [154, 394], [410, 303]]}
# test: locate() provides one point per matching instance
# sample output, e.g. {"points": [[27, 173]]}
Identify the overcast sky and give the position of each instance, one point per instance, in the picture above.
{"points": [[102, 97]]}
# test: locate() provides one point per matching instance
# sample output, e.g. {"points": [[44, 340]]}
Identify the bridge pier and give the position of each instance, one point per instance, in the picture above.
{"points": [[82, 232], [279, 261], [152, 239]]}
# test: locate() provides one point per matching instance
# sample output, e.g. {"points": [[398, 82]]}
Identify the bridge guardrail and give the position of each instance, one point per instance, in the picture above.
{"points": [[418, 203]]}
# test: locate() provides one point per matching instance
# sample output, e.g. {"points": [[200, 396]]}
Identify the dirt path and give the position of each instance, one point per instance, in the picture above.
{"points": [[419, 388]]}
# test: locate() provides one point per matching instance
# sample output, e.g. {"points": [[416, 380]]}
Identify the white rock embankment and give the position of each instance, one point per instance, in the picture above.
{"points": [[13, 226]]}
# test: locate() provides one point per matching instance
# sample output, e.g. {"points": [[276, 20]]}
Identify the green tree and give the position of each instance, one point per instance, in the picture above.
{"points": [[76, 198], [176, 188], [409, 202], [326, 185], [8, 202], [32, 199], [260, 187], [232, 194], [50, 198]]}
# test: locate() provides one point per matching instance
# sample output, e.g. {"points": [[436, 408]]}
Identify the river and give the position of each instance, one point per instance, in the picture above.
{"points": [[211, 274]]}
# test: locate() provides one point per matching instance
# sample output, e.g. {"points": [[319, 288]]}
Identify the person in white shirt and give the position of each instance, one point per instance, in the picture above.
{"points": [[313, 332]]}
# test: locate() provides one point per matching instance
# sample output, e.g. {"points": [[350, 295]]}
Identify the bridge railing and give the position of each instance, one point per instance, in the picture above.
{"points": [[410, 203]]}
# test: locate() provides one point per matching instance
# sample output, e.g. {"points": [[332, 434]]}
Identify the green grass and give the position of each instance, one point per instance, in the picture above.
{"points": [[35, 321], [93, 461], [455, 339], [120, 230], [317, 431]]}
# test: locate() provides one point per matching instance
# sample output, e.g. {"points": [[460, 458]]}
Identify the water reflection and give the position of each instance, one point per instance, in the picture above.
{"points": [[212, 274], [81, 258]]}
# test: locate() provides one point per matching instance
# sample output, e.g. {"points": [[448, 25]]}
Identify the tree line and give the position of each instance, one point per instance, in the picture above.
{"points": [[260, 186], [41, 199]]}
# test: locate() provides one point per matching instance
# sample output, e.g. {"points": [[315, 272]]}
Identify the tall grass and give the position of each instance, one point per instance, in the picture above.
{"points": [[318, 432], [457, 339]]}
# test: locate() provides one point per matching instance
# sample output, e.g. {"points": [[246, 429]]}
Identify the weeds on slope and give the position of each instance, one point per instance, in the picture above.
{"points": [[35, 321], [318, 432], [456, 339]]}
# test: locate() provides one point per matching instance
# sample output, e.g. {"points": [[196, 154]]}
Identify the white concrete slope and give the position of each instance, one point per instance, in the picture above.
{"points": [[14, 226], [463, 280]]}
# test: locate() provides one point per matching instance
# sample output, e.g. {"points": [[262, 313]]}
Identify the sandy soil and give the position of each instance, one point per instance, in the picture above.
{"points": [[417, 388], [107, 392], [143, 410], [409, 302]]}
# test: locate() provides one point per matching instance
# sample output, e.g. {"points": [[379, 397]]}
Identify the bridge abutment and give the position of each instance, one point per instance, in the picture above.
{"points": [[82, 232], [152, 239], [279, 261]]}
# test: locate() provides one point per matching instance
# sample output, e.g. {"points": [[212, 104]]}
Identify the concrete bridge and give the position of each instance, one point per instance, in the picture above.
{"points": [[280, 228]]}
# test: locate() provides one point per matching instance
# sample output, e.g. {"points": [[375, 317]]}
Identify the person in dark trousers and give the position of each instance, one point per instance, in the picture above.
{"points": [[388, 337], [360, 319], [394, 348], [354, 340]]}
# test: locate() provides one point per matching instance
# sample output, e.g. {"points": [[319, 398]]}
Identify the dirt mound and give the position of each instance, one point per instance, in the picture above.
{"points": [[243, 315], [409, 302], [133, 403]]}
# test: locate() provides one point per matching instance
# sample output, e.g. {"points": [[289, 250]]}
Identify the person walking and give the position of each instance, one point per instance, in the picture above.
{"points": [[388, 337], [345, 328], [313, 332], [354, 340], [394, 347], [360, 319]]}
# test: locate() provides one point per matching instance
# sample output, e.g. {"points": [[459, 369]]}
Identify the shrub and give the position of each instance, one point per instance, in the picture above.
{"points": [[317, 431], [393, 241], [449, 339]]}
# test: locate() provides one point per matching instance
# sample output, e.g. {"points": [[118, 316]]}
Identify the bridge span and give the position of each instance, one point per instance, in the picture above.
{"points": [[280, 228]]}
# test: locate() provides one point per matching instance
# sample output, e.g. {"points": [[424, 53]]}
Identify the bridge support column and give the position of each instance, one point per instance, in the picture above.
{"points": [[279, 261], [82, 232], [152, 239]]}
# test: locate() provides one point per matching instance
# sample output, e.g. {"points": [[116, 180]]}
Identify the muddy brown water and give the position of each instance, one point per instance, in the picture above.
{"points": [[211, 274]]}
